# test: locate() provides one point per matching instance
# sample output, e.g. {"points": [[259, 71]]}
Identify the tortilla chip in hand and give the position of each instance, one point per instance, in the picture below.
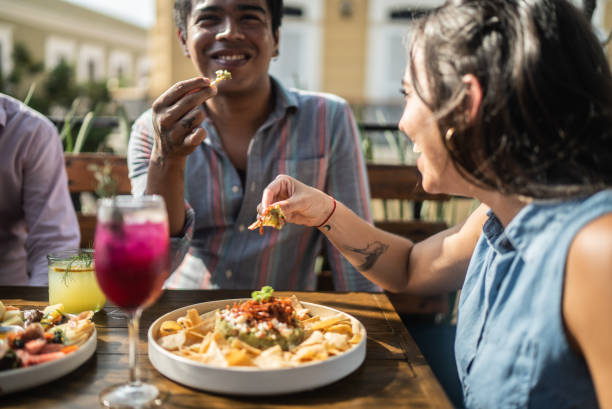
{"points": [[273, 217]]}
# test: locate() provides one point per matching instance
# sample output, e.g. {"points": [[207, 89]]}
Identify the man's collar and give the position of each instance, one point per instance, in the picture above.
{"points": [[284, 99]]}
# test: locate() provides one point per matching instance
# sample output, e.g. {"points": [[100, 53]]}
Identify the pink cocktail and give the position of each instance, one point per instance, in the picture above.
{"points": [[132, 262]]}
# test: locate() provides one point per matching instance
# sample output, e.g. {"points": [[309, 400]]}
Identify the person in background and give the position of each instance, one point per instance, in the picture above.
{"points": [[36, 213], [510, 102], [210, 151]]}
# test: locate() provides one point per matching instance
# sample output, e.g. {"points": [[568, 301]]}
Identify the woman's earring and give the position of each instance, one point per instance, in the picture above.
{"points": [[449, 134]]}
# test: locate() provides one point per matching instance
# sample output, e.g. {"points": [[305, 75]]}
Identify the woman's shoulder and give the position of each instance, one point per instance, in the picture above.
{"points": [[588, 285], [591, 247]]}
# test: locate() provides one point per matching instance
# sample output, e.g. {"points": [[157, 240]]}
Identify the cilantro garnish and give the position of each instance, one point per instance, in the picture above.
{"points": [[263, 295]]}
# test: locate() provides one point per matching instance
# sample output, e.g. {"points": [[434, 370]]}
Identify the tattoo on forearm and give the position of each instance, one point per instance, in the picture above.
{"points": [[371, 252]]}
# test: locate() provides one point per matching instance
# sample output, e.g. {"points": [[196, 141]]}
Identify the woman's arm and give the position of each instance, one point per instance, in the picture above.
{"points": [[433, 266], [587, 302]]}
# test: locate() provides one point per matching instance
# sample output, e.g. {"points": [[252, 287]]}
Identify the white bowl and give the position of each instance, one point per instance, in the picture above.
{"points": [[247, 380], [13, 380]]}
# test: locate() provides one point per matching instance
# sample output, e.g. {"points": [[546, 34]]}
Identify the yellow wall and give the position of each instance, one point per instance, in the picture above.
{"points": [[344, 50]]}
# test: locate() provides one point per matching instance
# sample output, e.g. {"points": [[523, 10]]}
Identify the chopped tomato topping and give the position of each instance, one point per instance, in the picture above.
{"points": [[266, 311]]}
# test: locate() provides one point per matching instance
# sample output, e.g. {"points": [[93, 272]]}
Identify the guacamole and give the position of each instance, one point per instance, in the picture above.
{"points": [[262, 324]]}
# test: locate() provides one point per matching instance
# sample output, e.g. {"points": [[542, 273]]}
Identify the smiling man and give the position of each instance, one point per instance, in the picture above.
{"points": [[211, 150]]}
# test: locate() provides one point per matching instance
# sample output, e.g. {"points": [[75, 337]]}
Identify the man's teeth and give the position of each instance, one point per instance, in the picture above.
{"points": [[416, 148], [232, 57]]}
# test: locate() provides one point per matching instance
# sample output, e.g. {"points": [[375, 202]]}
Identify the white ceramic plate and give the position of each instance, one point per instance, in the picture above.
{"points": [[14, 380], [251, 381]]}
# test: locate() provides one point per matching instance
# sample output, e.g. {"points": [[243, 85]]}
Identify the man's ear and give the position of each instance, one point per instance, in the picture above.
{"points": [[474, 94], [183, 40], [276, 43]]}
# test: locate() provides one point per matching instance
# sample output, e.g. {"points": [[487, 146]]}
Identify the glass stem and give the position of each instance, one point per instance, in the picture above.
{"points": [[133, 320]]}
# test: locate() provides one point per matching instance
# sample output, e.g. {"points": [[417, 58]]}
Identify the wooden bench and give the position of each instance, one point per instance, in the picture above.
{"points": [[81, 170], [403, 183], [387, 182]]}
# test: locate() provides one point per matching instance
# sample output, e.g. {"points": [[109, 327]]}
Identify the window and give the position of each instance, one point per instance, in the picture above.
{"points": [[143, 68], [6, 50], [120, 66], [90, 66], [91, 71], [388, 28], [58, 49], [293, 11], [406, 13], [299, 61]]}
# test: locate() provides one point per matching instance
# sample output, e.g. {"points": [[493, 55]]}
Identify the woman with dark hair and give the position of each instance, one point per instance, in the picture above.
{"points": [[510, 102]]}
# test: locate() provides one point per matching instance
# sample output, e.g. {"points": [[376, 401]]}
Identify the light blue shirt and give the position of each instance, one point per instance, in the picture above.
{"points": [[511, 347]]}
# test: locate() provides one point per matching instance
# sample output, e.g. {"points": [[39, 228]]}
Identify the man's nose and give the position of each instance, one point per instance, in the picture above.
{"points": [[230, 30]]}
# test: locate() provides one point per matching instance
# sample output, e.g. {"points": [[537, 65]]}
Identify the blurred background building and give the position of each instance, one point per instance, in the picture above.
{"points": [[37, 36], [93, 72], [348, 47]]}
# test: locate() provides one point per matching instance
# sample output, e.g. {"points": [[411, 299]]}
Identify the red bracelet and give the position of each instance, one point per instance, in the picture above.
{"points": [[330, 215]]}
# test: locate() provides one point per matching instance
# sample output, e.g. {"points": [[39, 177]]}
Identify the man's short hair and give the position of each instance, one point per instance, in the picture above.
{"points": [[182, 10]]}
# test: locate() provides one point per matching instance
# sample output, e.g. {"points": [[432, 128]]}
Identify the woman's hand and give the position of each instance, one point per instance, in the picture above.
{"points": [[177, 115], [301, 204]]}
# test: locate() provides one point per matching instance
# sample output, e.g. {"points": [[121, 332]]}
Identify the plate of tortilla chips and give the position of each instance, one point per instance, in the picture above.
{"points": [[266, 346]]}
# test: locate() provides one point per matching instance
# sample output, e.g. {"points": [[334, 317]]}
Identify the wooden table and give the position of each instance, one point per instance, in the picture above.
{"points": [[394, 373]]}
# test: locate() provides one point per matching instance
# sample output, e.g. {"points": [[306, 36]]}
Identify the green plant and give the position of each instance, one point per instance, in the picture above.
{"points": [[107, 186], [60, 85], [24, 69]]}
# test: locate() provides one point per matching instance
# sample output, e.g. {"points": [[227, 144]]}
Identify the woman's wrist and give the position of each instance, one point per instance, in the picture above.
{"points": [[330, 214]]}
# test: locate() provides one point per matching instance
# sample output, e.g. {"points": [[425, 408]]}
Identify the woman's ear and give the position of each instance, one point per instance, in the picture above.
{"points": [[183, 40], [474, 94]]}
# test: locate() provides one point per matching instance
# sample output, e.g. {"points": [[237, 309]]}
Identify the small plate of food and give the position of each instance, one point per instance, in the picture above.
{"points": [[264, 345], [38, 346]]}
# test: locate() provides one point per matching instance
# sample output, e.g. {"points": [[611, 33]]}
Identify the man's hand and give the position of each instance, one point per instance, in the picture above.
{"points": [[177, 115]]}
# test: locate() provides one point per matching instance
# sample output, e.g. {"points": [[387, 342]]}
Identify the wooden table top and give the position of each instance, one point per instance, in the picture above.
{"points": [[394, 373]]}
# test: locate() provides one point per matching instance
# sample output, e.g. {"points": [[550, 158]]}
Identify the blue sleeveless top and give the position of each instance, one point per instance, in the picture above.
{"points": [[511, 346]]}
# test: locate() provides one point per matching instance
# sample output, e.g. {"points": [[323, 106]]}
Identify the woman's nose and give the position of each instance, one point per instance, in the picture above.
{"points": [[229, 30]]}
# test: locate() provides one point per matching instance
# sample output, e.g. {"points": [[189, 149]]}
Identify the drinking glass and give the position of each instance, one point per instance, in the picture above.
{"points": [[72, 281], [132, 263]]}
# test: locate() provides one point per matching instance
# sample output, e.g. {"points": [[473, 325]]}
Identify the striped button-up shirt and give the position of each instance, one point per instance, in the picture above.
{"points": [[310, 136]]}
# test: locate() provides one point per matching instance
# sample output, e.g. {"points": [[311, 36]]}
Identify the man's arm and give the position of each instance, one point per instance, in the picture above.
{"points": [[176, 115], [139, 154], [49, 213]]}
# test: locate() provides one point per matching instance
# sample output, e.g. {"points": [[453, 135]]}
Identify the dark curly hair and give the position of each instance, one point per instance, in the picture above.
{"points": [[182, 10], [544, 125]]}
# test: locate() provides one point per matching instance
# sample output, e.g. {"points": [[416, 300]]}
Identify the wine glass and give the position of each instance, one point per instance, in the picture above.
{"points": [[132, 263]]}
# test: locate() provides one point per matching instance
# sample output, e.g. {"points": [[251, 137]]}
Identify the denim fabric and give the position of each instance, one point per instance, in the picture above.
{"points": [[511, 347]]}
